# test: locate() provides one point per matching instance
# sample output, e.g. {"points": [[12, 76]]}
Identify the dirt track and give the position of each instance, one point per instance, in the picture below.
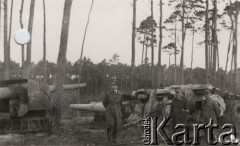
{"points": [[79, 132], [74, 132]]}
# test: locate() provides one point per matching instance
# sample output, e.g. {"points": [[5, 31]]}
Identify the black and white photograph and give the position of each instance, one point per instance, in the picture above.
{"points": [[119, 72]]}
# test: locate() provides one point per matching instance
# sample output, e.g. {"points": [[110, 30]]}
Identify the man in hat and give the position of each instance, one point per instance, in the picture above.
{"points": [[112, 102], [210, 110], [178, 111]]}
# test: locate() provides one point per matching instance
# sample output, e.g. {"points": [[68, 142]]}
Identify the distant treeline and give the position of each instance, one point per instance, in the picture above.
{"points": [[99, 76]]}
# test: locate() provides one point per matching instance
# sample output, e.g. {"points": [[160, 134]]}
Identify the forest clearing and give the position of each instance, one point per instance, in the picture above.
{"points": [[110, 72]]}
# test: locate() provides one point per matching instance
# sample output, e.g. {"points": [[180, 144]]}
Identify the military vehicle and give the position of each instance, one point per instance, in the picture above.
{"points": [[25, 105], [232, 112], [158, 102]]}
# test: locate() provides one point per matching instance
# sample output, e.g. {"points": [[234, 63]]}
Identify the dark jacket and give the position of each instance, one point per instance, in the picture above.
{"points": [[112, 103], [176, 113], [210, 109]]}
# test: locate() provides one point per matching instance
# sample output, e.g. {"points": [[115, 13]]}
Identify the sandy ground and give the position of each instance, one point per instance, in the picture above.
{"points": [[81, 131], [78, 131]]}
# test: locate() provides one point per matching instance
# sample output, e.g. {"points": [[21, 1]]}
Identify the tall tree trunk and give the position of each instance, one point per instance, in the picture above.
{"points": [[30, 27], [0, 19], [233, 60], [146, 53], [218, 67], [44, 42], [21, 24], [211, 63], [183, 40], [57, 101], [192, 53], [142, 62], [229, 46], [9, 36], [226, 66], [211, 54], [0, 31], [236, 47], [215, 43], [81, 55], [5, 43], [231, 71], [133, 46], [169, 60], [142, 53], [206, 41], [152, 48], [83, 42], [10, 29], [169, 70], [159, 75], [175, 53]]}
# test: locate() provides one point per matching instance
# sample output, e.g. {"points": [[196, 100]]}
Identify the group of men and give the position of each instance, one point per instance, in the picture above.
{"points": [[179, 110]]}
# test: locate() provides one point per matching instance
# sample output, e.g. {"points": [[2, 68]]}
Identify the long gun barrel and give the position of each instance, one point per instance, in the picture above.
{"points": [[52, 88], [14, 91], [93, 107], [11, 92]]}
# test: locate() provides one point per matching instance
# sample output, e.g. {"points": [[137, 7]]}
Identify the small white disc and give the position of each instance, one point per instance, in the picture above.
{"points": [[22, 36]]}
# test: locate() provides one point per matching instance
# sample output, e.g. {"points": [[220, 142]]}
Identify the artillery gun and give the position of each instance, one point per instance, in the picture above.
{"points": [[99, 109], [232, 113], [25, 105], [153, 102], [132, 106], [230, 107], [96, 107]]}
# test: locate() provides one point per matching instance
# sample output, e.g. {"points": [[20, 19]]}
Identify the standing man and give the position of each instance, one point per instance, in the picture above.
{"points": [[210, 110], [178, 111], [112, 102]]}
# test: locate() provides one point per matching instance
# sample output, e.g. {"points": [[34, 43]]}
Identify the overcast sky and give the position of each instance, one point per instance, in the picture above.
{"points": [[109, 31]]}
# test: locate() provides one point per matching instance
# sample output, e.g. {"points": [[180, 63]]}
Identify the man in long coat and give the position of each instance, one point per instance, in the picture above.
{"points": [[112, 102], [178, 111], [210, 110]]}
